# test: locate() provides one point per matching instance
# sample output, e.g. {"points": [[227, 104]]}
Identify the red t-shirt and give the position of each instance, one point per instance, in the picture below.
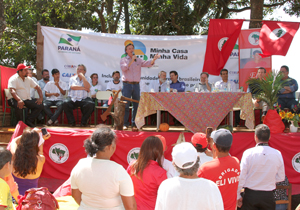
{"points": [[225, 173], [145, 191]]}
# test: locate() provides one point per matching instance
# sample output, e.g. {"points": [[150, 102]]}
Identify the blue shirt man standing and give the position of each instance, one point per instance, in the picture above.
{"points": [[179, 86]]}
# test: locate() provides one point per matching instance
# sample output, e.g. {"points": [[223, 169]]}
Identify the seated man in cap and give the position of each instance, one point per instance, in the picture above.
{"points": [[224, 169], [200, 143], [19, 86], [187, 191]]}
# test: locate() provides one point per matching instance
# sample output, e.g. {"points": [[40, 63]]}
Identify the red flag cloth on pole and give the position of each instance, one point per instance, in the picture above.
{"points": [[222, 37], [275, 37]]}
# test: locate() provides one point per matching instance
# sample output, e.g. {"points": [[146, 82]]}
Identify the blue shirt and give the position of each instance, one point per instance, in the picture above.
{"points": [[179, 86], [294, 87]]}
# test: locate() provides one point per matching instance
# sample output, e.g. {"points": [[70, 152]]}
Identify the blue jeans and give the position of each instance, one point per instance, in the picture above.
{"points": [[281, 207], [131, 91]]}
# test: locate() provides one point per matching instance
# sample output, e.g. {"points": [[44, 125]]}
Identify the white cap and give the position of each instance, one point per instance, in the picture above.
{"points": [[184, 153]]}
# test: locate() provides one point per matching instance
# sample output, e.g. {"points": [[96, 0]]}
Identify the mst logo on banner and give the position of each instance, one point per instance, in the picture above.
{"points": [[69, 44], [59, 153]]}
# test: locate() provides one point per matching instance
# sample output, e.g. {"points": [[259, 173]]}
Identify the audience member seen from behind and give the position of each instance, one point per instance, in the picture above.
{"points": [[28, 160], [166, 164], [98, 182], [187, 191], [5, 170], [217, 169], [147, 173], [200, 143], [95, 87]]}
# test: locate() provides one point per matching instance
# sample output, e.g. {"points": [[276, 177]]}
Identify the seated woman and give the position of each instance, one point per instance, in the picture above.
{"points": [[147, 173], [95, 87], [98, 182], [28, 160]]}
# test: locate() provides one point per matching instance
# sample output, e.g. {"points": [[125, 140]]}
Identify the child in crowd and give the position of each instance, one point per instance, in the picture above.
{"points": [[5, 170]]}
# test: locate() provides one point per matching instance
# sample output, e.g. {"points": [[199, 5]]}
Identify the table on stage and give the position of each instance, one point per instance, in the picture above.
{"points": [[196, 111]]}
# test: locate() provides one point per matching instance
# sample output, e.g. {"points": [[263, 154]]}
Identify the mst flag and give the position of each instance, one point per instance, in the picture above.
{"points": [[221, 39], [275, 37]]}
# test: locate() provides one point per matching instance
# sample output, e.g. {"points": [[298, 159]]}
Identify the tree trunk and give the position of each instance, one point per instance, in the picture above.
{"points": [[257, 8], [127, 28], [2, 20]]}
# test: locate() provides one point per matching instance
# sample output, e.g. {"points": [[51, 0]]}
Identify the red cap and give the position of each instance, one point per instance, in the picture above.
{"points": [[199, 138], [22, 66], [163, 141]]}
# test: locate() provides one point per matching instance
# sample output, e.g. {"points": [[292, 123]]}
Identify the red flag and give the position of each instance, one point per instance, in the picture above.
{"points": [[222, 37], [275, 37]]}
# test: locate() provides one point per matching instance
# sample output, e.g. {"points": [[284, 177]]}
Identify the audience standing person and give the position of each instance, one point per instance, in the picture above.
{"points": [[204, 85], [5, 170], [160, 85], [187, 191], [200, 143], [261, 167], [175, 84], [224, 169], [224, 83], [28, 160], [98, 182], [45, 79], [254, 90], [166, 164], [79, 87], [54, 91], [147, 173], [131, 75], [19, 86], [95, 87], [116, 83], [286, 96]]}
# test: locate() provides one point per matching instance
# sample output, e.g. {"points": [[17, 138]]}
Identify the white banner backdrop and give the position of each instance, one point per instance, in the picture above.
{"points": [[101, 53]]}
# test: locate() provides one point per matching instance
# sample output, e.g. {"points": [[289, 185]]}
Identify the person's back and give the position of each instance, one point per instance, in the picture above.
{"points": [[145, 188], [187, 191], [179, 193]]}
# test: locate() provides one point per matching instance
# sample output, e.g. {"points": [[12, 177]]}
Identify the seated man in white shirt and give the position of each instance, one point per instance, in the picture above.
{"points": [[54, 92], [19, 86], [224, 83], [187, 191], [160, 85], [204, 85], [261, 167], [116, 83], [79, 87]]}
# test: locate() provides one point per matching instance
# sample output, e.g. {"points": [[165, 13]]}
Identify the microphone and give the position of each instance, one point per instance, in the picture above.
{"points": [[133, 54]]}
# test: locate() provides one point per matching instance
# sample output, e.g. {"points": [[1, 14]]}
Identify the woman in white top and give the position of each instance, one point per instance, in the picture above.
{"points": [[95, 87], [98, 182]]}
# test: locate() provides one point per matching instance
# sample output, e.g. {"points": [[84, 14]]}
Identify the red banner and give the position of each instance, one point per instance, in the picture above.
{"points": [[65, 148], [6, 73], [276, 37], [249, 56], [222, 37]]}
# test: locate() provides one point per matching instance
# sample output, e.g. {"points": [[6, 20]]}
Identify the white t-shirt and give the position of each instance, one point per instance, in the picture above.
{"points": [[95, 89], [22, 86], [112, 86], [50, 87], [101, 183], [32, 90], [179, 193], [168, 166], [203, 158]]}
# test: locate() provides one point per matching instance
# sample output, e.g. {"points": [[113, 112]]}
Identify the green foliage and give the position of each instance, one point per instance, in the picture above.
{"points": [[268, 88]]}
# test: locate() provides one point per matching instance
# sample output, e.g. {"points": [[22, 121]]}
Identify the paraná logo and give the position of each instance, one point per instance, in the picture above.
{"points": [[133, 154], [221, 42], [69, 44], [253, 38], [59, 153], [277, 33], [296, 162]]}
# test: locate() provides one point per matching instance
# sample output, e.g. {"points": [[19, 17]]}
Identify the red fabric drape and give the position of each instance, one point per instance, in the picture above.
{"points": [[6, 73]]}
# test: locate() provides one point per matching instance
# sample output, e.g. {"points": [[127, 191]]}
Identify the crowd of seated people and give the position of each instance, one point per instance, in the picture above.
{"points": [[206, 176]]}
